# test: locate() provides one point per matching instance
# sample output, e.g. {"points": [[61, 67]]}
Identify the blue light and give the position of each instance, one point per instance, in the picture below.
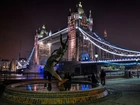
{"points": [[29, 88], [85, 86], [85, 57], [123, 64]]}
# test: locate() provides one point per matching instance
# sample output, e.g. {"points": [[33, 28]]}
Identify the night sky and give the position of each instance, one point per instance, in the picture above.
{"points": [[19, 20]]}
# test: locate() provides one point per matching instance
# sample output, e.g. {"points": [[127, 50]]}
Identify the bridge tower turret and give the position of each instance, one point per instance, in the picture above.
{"points": [[105, 55], [90, 19], [76, 16]]}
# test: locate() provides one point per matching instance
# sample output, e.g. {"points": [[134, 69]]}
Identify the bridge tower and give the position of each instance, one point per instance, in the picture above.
{"points": [[77, 43], [42, 48]]}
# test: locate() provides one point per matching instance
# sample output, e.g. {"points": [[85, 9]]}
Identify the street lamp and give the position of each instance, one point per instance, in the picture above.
{"points": [[137, 68], [96, 56]]}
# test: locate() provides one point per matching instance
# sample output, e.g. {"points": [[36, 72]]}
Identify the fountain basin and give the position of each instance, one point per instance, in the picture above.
{"points": [[20, 92]]}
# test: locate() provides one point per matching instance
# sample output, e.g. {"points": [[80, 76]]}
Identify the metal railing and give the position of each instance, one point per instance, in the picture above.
{"points": [[7, 75]]}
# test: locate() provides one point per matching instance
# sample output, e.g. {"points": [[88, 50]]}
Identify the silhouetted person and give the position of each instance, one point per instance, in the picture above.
{"points": [[45, 74], [102, 77], [49, 76], [130, 74], [45, 77], [69, 77], [49, 87], [94, 80], [67, 85]]}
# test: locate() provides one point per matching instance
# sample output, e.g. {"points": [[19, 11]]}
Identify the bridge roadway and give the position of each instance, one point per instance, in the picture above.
{"points": [[122, 91]]}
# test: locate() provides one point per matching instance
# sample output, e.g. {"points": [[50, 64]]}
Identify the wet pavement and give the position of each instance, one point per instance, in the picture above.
{"points": [[121, 92]]}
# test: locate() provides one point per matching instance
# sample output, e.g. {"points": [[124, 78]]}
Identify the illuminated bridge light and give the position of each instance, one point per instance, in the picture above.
{"points": [[59, 32], [49, 44], [108, 44], [41, 43], [86, 34]]}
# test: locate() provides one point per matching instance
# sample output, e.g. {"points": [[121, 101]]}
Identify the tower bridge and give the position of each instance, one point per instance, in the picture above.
{"points": [[83, 42]]}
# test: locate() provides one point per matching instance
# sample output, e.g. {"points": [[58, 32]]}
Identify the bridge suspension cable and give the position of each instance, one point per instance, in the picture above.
{"points": [[56, 33], [111, 49], [28, 60], [103, 42]]}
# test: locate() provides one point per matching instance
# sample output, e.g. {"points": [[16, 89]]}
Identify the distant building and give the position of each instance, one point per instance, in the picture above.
{"points": [[4, 64]]}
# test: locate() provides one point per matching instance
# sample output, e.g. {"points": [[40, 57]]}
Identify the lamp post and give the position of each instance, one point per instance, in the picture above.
{"points": [[96, 56], [136, 67]]}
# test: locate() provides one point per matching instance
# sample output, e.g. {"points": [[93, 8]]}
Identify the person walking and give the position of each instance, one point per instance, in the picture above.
{"points": [[67, 84], [94, 79], [102, 77]]}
